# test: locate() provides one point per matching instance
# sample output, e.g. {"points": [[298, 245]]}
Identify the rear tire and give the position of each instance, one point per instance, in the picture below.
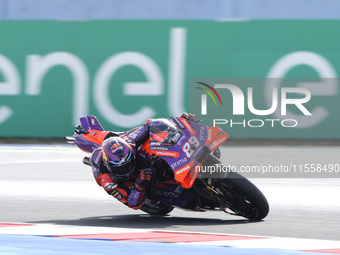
{"points": [[246, 199], [160, 210]]}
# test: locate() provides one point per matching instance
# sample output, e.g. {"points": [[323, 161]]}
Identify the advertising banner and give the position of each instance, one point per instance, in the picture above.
{"points": [[125, 72]]}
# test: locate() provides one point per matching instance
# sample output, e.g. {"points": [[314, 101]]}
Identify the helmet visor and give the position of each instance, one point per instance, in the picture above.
{"points": [[122, 169]]}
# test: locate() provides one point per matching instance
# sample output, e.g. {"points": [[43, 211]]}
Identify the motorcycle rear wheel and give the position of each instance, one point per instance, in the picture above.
{"points": [[243, 197], [161, 210]]}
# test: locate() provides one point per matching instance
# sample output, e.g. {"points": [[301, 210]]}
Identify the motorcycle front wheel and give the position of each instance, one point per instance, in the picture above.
{"points": [[243, 198]]}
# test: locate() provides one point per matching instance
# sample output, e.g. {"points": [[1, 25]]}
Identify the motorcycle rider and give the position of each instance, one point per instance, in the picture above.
{"points": [[116, 165]]}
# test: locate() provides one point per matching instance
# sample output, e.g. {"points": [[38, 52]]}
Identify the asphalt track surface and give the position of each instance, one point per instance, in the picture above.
{"points": [[49, 184]]}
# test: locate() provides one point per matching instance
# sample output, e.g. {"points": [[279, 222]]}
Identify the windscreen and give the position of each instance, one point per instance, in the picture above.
{"points": [[163, 131]]}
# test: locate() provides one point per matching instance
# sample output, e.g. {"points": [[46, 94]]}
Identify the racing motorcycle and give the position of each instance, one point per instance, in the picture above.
{"points": [[177, 150]]}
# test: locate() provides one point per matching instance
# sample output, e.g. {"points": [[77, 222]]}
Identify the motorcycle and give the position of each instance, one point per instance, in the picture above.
{"points": [[177, 151]]}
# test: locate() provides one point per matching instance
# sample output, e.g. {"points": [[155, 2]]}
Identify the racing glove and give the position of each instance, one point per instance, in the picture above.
{"points": [[144, 176], [136, 196], [189, 116]]}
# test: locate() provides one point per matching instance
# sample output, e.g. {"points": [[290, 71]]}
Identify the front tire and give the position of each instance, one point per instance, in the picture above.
{"points": [[243, 197]]}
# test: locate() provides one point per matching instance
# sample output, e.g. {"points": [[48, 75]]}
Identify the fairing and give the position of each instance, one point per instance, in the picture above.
{"points": [[183, 144]]}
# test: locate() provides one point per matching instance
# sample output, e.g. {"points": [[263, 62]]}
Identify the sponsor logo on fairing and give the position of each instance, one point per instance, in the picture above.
{"points": [[133, 135], [173, 122], [178, 122], [179, 162], [209, 134], [161, 148], [202, 128], [172, 154], [164, 193], [130, 141], [179, 142], [217, 143], [183, 169], [155, 143], [94, 134], [188, 127], [176, 137]]}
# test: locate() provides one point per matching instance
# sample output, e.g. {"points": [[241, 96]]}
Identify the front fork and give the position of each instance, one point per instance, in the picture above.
{"points": [[223, 202]]}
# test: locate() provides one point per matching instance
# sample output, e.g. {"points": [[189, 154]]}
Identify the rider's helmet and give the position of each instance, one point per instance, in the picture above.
{"points": [[118, 157]]}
